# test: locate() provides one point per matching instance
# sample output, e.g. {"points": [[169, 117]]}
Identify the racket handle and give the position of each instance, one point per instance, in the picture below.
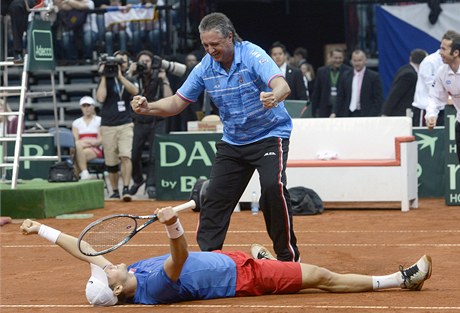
{"points": [[185, 206]]}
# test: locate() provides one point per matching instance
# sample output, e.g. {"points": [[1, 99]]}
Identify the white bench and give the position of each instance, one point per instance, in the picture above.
{"points": [[376, 160]]}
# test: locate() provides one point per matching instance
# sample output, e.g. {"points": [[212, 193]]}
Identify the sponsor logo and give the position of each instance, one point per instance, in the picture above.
{"points": [[269, 153], [263, 60]]}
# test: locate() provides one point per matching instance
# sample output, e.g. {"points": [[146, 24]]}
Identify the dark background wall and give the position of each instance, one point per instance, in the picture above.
{"points": [[308, 23]]}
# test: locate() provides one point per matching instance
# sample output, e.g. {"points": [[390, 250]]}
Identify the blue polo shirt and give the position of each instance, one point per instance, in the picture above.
{"points": [[237, 94], [205, 275]]}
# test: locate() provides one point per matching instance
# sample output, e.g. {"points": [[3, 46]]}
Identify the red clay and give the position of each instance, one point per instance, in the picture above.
{"points": [[39, 277]]}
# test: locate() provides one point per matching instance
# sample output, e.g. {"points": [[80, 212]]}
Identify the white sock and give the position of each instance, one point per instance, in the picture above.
{"points": [[387, 281]]}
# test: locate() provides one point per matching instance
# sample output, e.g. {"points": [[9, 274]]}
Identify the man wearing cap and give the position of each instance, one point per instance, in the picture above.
{"points": [[86, 132], [183, 275]]}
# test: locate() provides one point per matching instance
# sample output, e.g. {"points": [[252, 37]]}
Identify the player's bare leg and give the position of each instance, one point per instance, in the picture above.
{"points": [[411, 278]]}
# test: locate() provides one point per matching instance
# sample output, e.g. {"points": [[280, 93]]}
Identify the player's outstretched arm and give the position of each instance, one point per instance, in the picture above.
{"points": [[65, 241], [168, 106], [177, 242]]}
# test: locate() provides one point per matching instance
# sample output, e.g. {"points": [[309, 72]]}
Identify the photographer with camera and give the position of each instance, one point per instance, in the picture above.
{"points": [[153, 85], [115, 91]]}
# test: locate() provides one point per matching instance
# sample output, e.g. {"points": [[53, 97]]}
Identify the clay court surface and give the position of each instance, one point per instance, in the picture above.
{"points": [[39, 277]]}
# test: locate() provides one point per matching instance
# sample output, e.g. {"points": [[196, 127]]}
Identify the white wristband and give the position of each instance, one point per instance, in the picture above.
{"points": [[174, 230], [49, 233]]}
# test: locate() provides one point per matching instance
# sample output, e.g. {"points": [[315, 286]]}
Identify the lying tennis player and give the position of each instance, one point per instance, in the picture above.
{"points": [[184, 275]]}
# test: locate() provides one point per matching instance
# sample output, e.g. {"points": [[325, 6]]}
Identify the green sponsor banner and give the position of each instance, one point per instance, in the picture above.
{"points": [[32, 146], [40, 46], [431, 160], [452, 176], [181, 160]]}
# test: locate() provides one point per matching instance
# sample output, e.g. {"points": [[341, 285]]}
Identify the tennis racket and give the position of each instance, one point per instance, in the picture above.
{"points": [[111, 232]]}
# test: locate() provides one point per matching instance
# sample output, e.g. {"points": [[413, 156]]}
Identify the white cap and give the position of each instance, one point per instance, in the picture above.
{"points": [[98, 291], [87, 100]]}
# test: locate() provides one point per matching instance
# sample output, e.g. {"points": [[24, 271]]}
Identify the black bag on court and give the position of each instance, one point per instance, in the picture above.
{"points": [[198, 193], [62, 172], [305, 201]]}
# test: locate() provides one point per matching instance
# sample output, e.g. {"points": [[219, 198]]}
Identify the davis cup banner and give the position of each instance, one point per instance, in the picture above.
{"points": [[402, 28], [181, 159]]}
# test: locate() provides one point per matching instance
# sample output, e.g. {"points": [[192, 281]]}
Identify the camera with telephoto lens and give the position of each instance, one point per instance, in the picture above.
{"points": [[175, 68], [111, 65]]}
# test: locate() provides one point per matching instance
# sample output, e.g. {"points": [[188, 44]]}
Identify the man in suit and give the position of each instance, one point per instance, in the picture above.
{"points": [[292, 75], [360, 93], [327, 83], [402, 89]]}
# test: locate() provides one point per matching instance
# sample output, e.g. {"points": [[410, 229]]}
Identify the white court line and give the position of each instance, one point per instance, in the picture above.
{"points": [[300, 245], [211, 306], [419, 231]]}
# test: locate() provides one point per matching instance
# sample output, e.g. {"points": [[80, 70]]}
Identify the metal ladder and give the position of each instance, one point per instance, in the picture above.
{"points": [[21, 91]]}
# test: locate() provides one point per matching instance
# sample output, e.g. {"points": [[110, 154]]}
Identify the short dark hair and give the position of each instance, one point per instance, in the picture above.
{"points": [[278, 44], [145, 52], [301, 51], [122, 52], [455, 43], [417, 56], [448, 35]]}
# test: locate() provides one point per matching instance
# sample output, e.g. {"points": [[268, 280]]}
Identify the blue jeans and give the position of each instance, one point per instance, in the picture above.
{"points": [[109, 38], [70, 47], [146, 40]]}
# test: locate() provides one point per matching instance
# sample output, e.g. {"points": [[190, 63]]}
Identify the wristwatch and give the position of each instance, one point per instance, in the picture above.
{"points": [[275, 103]]}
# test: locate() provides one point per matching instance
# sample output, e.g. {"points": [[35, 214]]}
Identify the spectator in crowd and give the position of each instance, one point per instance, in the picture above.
{"points": [[248, 88], [327, 83], [299, 56], [426, 74], [401, 94], [293, 75], [309, 78], [446, 84], [87, 135], [116, 34], [8, 123], [183, 275], [17, 9], [146, 34], [360, 93], [76, 28], [154, 85], [114, 92]]}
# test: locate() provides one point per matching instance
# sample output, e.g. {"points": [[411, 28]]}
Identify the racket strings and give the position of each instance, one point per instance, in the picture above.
{"points": [[108, 233]]}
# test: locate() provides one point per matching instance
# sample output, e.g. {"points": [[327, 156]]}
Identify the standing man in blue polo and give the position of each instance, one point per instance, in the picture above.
{"points": [[248, 88]]}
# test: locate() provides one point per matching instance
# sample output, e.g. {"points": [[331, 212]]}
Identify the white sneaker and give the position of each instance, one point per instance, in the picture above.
{"points": [[414, 276], [260, 252], [85, 175]]}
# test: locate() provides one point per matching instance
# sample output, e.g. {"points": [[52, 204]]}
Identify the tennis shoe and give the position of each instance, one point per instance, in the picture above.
{"points": [[84, 175], [125, 195], [260, 252], [115, 195], [414, 276]]}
